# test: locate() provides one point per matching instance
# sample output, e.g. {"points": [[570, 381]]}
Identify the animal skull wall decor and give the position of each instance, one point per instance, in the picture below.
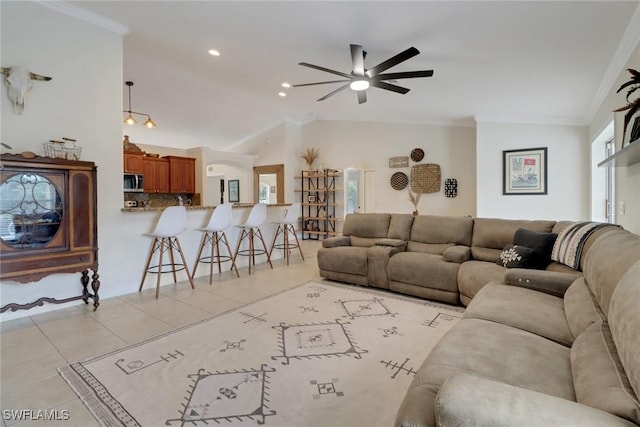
{"points": [[19, 81]]}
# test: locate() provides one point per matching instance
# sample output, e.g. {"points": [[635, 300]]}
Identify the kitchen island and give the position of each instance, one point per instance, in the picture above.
{"points": [[139, 221]]}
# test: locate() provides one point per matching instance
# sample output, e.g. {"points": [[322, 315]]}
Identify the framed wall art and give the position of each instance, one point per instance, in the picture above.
{"points": [[234, 191], [524, 171]]}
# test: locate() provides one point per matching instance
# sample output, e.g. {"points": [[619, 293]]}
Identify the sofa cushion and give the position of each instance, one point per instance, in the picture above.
{"points": [[515, 256], [541, 243], [490, 235], [580, 308], [343, 259], [624, 321], [473, 275], [598, 377], [373, 225], [425, 270], [536, 312], [608, 259], [400, 226], [442, 230]]}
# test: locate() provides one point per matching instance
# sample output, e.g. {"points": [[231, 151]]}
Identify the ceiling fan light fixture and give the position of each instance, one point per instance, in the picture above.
{"points": [[359, 85]]}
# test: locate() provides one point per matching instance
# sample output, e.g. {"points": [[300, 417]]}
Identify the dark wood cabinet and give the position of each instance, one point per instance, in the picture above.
{"points": [[48, 222], [133, 162], [182, 174], [156, 175]]}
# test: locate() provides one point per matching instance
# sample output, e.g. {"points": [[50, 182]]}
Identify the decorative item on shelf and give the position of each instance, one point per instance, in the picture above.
{"points": [[311, 198], [450, 187], [425, 178], [399, 181], [399, 162], [310, 155], [65, 149], [414, 198], [417, 154], [130, 120], [631, 128], [130, 146]]}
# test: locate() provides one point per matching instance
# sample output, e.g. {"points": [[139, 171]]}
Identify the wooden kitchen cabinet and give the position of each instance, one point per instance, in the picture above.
{"points": [[155, 174], [182, 174], [133, 162], [48, 223]]}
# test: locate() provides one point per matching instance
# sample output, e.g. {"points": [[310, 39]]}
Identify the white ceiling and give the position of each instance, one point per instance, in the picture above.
{"points": [[512, 61]]}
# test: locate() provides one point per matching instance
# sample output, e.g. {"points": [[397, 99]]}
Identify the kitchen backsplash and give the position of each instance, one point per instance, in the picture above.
{"points": [[162, 200]]}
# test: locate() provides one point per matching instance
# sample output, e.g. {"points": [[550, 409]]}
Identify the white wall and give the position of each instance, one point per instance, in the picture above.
{"points": [[568, 154], [83, 101], [343, 144], [627, 178]]}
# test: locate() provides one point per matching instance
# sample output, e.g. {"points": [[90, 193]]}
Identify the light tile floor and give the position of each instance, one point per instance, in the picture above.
{"points": [[32, 348]]}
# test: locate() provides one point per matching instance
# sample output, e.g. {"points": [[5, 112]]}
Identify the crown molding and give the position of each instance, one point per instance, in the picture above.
{"points": [[84, 15], [628, 44]]}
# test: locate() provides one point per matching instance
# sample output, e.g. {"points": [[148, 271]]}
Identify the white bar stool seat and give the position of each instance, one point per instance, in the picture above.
{"points": [[287, 227], [251, 229], [214, 234], [172, 222]]}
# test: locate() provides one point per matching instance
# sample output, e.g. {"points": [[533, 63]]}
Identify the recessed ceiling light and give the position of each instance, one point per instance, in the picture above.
{"points": [[282, 94], [285, 84], [214, 52]]}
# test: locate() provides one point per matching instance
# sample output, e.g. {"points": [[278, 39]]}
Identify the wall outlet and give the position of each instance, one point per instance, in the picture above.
{"points": [[622, 208]]}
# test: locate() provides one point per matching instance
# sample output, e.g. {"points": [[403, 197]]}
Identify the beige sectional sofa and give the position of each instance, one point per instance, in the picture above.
{"points": [[552, 347]]}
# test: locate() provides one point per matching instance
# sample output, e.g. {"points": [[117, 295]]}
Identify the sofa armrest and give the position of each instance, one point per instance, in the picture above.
{"points": [[378, 257], [394, 243], [457, 254], [468, 400], [550, 282], [336, 241]]}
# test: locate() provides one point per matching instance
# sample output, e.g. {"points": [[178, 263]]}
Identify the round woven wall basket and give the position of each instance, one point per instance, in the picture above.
{"points": [[399, 181], [417, 154]]}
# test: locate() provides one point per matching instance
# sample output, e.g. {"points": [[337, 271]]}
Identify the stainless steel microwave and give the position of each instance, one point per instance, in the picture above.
{"points": [[133, 183]]}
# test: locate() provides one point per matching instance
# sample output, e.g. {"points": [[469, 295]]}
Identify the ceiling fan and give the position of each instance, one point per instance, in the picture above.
{"points": [[361, 78]]}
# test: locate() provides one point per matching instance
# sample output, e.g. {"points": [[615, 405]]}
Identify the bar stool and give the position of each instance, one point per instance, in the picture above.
{"points": [[287, 227], [214, 234], [172, 222], [251, 229]]}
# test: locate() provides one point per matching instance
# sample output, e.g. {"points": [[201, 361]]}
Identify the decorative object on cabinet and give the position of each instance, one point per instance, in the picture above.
{"points": [[130, 146], [417, 154], [65, 149], [399, 181], [632, 117], [130, 120], [319, 203], [450, 187], [399, 162], [414, 198], [234, 191], [524, 171], [425, 178], [48, 223], [310, 155]]}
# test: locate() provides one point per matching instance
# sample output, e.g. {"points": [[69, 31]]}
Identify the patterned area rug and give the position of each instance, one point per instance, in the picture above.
{"points": [[319, 354]]}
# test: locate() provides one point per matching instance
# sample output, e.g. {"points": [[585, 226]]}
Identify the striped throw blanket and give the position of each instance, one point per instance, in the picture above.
{"points": [[570, 242]]}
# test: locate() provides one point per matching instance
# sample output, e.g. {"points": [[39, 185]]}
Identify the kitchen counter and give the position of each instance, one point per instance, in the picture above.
{"points": [[198, 208]]}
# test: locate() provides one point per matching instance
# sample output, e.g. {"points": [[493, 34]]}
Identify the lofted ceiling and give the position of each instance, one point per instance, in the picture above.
{"points": [[507, 61]]}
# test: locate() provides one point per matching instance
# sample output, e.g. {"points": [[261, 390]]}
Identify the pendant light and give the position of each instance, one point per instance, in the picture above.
{"points": [[130, 120]]}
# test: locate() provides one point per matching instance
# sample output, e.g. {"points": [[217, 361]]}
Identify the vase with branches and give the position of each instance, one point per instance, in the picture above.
{"points": [[310, 155], [632, 106], [414, 198]]}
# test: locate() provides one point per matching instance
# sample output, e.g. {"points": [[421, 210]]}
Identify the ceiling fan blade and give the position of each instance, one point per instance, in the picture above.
{"points": [[357, 58], [327, 70], [340, 89], [404, 75], [320, 83], [394, 60], [362, 96], [389, 86]]}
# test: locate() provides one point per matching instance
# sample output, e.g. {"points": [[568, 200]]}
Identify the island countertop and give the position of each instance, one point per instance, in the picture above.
{"points": [[197, 208]]}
